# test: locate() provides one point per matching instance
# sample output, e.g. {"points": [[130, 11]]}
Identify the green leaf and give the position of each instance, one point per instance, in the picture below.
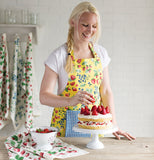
{"points": [[30, 98], [52, 152], [12, 143], [17, 157]]}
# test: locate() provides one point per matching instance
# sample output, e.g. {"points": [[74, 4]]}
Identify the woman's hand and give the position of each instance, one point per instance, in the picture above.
{"points": [[122, 133], [82, 97]]}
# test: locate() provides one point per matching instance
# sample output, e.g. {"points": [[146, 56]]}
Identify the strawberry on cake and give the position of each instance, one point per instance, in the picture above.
{"points": [[96, 118]]}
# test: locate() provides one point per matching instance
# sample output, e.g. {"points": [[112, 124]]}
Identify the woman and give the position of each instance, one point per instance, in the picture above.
{"points": [[80, 66]]}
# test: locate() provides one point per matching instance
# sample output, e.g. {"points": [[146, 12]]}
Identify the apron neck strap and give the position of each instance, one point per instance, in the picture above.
{"points": [[92, 49]]}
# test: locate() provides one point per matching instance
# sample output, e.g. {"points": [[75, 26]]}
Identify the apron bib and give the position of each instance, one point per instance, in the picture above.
{"points": [[86, 75]]}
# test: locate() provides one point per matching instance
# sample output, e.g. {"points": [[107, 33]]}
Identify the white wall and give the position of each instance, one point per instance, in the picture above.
{"points": [[128, 35]]}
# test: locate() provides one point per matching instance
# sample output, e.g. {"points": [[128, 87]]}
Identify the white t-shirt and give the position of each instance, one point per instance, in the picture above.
{"points": [[57, 61]]}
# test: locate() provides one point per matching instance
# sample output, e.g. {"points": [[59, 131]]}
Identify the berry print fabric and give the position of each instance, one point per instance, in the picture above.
{"points": [[16, 89], [4, 83]]}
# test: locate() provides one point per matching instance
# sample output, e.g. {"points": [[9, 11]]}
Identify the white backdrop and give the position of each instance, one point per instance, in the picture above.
{"points": [[128, 36]]}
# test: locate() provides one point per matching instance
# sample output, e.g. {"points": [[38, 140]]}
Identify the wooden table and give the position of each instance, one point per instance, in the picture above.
{"points": [[141, 148]]}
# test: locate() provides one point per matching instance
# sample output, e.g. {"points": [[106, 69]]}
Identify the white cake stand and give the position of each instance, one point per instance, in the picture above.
{"points": [[95, 143]]}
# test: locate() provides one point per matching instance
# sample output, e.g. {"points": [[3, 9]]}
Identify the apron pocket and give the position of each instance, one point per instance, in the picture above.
{"points": [[71, 120]]}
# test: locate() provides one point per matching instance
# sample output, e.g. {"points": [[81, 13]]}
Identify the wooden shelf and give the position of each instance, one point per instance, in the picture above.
{"points": [[20, 29]]}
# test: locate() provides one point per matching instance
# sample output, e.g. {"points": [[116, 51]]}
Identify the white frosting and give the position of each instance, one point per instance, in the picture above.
{"points": [[99, 116]]}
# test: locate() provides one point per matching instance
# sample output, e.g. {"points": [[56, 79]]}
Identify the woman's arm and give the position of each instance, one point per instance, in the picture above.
{"points": [[107, 99], [48, 98], [107, 95]]}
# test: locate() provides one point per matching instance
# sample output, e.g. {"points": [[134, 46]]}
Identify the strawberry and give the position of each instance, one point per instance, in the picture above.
{"points": [[33, 144], [94, 108], [86, 108], [79, 60], [72, 77], [27, 154], [107, 109], [41, 154], [99, 109], [22, 152], [102, 106], [82, 111], [103, 111], [93, 81], [74, 89], [25, 143], [87, 112], [72, 83], [95, 113], [46, 130], [67, 94], [93, 101]]}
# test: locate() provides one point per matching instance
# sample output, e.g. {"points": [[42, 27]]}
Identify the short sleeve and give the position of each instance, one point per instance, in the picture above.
{"points": [[51, 62], [103, 54]]}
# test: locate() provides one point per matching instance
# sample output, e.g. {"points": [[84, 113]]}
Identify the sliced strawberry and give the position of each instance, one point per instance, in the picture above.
{"points": [[99, 109], [95, 113], [107, 109]]}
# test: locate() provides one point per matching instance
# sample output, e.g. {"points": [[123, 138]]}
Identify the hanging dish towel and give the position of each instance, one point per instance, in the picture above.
{"points": [[4, 83], [17, 101], [27, 83]]}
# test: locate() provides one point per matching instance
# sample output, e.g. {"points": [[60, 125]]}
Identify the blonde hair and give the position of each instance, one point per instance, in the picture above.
{"points": [[75, 15]]}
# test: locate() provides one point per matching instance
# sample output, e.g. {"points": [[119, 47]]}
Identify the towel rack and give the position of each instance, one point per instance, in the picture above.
{"points": [[20, 29]]}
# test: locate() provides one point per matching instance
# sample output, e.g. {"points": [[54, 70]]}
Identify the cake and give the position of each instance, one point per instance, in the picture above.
{"points": [[96, 118]]}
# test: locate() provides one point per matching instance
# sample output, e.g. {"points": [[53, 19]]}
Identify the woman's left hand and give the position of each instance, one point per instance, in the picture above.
{"points": [[122, 133]]}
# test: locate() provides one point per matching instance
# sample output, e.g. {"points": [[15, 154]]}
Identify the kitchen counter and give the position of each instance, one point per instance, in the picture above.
{"points": [[141, 148]]}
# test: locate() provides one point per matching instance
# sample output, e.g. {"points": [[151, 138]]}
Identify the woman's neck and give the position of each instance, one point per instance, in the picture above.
{"points": [[82, 50]]}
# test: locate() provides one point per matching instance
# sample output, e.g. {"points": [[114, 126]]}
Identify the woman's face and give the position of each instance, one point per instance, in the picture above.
{"points": [[86, 27]]}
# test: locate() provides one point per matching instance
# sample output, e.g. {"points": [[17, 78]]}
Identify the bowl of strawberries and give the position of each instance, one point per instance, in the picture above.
{"points": [[44, 136]]}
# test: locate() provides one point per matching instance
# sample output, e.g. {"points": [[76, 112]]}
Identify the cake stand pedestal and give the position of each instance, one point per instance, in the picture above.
{"points": [[95, 143]]}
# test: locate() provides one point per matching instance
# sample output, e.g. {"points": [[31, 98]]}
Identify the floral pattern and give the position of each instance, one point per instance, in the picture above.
{"points": [[86, 76]]}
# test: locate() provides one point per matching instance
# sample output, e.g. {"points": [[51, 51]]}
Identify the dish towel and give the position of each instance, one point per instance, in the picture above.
{"points": [[71, 121], [17, 104], [27, 83], [21, 146], [4, 83]]}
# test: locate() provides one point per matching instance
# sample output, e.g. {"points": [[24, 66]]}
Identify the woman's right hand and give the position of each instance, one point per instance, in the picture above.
{"points": [[82, 97]]}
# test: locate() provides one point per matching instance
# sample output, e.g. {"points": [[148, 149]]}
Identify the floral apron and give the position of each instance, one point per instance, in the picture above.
{"points": [[86, 75]]}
